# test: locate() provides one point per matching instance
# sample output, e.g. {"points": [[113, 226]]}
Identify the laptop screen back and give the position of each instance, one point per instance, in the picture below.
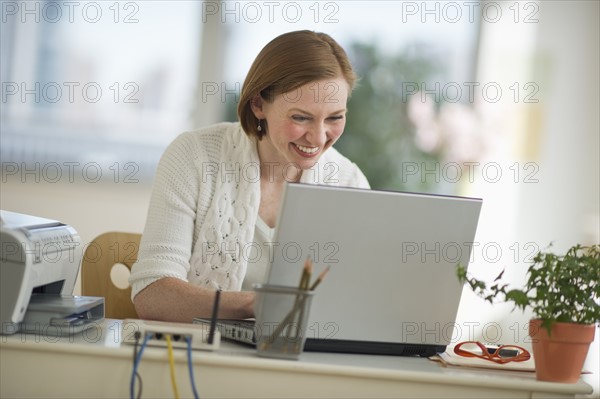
{"points": [[393, 258]]}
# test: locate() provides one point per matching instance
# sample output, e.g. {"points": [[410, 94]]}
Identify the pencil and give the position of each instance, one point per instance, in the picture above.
{"points": [[306, 272], [303, 286], [299, 303], [320, 278]]}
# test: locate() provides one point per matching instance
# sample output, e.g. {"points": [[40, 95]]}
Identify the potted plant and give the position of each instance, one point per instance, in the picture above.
{"points": [[563, 291]]}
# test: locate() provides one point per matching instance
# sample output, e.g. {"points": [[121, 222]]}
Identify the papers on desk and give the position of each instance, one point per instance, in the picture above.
{"points": [[449, 358]]}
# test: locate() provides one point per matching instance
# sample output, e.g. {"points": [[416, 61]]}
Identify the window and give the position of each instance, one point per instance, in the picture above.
{"points": [[102, 87], [96, 89], [405, 52]]}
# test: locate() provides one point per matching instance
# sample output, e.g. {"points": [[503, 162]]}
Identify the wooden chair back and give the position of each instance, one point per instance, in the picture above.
{"points": [[103, 259]]}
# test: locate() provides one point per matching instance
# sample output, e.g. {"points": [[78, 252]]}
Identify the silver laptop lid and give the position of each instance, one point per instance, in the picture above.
{"points": [[393, 257]]}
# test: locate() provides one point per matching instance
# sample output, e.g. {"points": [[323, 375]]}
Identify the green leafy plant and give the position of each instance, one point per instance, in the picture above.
{"points": [[558, 288]]}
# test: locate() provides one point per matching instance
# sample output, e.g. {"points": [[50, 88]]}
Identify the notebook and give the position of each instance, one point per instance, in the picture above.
{"points": [[392, 286]]}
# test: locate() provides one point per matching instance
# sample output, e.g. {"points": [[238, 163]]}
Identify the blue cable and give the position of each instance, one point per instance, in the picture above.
{"points": [[190, 366], [135, 366]]}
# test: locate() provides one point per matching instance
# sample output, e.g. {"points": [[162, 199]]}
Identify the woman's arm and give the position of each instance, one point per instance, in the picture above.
{"points": [[159, 278], [172, 299]]}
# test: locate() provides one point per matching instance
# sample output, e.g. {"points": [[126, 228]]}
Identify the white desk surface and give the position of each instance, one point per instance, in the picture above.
{"points": [[95, 364]]}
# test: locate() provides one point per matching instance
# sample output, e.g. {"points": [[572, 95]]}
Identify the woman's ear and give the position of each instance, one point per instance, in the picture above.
{"points": [[256, 104]]}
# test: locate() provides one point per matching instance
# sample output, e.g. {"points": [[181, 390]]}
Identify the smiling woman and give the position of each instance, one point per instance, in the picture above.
{"points": [[205, 211], [299, 131], [296, 134]]}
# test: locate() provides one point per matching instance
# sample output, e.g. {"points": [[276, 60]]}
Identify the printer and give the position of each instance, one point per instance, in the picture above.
{"points": [[39, 263]]}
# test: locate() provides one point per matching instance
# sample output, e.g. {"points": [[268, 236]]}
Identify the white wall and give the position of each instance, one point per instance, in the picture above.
{"points": [[91, 208]]}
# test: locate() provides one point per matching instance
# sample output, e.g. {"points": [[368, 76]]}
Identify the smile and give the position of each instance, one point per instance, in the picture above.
{"points": [[307, 150]]}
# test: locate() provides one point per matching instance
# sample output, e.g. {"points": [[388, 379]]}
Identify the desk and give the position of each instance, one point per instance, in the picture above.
{"points": [[95, 364]]}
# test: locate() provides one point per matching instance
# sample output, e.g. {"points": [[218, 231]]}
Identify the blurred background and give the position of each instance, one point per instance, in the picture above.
{"points": [[498, 100]]}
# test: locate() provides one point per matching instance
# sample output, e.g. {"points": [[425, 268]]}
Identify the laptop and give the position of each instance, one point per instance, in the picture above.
{"points": [[392, 287]]}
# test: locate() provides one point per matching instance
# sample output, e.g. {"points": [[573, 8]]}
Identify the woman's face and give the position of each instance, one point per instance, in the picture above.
{"points": [[302, 123]]}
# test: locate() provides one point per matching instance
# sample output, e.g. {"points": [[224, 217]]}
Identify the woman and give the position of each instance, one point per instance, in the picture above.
{"points": [[217, 190]]}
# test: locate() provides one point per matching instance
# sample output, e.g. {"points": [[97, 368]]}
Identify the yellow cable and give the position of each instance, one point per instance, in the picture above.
{"points": [[172, 366]]}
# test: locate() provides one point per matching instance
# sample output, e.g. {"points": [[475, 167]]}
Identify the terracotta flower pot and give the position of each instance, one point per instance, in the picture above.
{"points": [[559, 357]]}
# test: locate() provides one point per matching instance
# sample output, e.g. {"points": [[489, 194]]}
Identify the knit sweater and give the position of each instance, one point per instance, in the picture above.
{"points": [[204, 207]]}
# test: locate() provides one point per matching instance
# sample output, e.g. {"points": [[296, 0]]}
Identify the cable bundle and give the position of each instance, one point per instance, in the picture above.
{"points": [[137, 357]]}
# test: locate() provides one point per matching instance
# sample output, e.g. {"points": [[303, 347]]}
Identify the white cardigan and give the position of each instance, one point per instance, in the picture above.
{"points": [[204, 207]]}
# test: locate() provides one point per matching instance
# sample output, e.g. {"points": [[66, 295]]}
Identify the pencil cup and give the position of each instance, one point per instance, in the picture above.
{"points": [[281, 320]]}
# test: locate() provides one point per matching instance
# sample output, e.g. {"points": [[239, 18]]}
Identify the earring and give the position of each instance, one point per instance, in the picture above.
{"points": [[259, 127]]}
